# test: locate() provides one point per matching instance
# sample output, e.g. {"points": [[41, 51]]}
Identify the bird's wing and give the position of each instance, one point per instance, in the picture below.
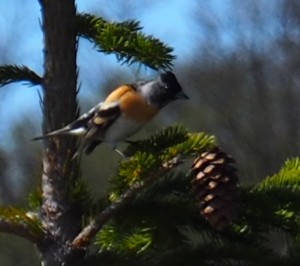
{"points": [[99, 116], [101, 120], [82, 122], [97, 125]]}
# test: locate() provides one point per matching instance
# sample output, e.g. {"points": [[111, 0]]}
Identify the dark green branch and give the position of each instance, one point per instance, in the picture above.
{"points": [[15, 73], [21, 223], [125, 41], [85, 236]]}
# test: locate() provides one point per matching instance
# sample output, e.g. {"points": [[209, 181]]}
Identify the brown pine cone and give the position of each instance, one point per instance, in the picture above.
{"points": [[215, 186]]}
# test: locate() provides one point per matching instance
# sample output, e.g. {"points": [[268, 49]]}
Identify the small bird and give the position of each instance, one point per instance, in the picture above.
{"points": [[125, 111]]}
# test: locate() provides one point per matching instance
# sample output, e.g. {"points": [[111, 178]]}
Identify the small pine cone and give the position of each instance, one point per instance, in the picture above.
{"points": [[215, 185]]}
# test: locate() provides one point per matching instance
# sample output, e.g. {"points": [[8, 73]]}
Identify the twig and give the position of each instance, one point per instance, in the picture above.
{"points": [[20, 228], [84, 237]]}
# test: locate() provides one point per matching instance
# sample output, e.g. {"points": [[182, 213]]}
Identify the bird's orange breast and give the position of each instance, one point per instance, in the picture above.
{"points": [[132, 104]]}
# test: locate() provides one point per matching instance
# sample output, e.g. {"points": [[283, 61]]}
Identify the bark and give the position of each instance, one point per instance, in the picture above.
{"points": [[59, 217]]}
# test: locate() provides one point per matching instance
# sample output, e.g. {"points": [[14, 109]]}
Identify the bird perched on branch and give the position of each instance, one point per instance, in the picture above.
{"points": [[125, 111]]}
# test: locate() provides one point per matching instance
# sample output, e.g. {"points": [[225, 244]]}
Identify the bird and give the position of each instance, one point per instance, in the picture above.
{"points": [[124, 112]]}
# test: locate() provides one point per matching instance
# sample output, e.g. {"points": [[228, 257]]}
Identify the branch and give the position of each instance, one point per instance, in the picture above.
{"points": [[15, 73], [125, 41], [84, 237], [288, 176], [88, 26], [172, 146], [21, 223]]}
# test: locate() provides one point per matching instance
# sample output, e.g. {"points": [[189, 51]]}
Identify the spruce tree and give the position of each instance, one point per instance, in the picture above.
{"points": [[174, 200]]}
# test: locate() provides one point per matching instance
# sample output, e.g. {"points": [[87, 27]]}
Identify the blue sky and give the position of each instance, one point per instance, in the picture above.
{"points": [[22, 40], [173, 22], [225, 26]]}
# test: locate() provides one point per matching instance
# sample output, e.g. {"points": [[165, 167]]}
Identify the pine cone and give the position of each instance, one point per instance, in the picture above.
{"points": [[215, 185]]}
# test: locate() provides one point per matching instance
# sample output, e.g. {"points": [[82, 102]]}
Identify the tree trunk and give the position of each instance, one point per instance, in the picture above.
{"points": [[59, 217]]}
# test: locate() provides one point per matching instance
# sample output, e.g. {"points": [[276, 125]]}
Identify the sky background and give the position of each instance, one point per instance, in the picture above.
{"points": [[21, 42], [173, 22]]}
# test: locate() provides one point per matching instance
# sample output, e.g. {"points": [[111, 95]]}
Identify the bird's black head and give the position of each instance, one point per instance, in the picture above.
{"points": [[165, 89]]}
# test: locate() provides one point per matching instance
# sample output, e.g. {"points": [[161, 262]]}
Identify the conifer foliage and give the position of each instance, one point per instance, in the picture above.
{"points": [[174, 199]]}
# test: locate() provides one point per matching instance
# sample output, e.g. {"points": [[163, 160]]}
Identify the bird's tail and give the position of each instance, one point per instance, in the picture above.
{"points": [[62, 131], [52, 134]]}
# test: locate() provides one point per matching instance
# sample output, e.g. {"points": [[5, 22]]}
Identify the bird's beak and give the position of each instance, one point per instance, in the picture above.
{"points": [[181, 95]]}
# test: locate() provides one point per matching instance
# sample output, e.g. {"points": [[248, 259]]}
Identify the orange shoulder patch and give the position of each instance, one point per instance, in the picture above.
{"points": [[132, 104], [116, 94]]}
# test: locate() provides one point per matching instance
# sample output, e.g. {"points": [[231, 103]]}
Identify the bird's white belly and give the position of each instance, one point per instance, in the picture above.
{"points": [[121, 130]]}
